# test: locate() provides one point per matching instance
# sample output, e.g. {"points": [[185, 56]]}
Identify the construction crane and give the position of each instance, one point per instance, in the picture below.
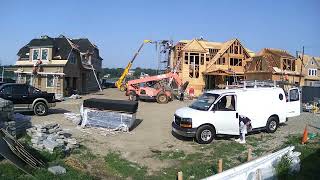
{"points": [[121, 84]]}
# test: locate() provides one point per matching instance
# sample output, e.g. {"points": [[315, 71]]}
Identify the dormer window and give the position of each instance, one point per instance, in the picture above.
{"points": [[35, 54], [44, 54]]}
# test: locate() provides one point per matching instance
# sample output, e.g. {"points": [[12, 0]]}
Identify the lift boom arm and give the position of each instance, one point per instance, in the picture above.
{"points": [[119, 83], [157, 78]]}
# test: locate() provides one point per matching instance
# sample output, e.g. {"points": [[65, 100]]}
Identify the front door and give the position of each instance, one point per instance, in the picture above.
{"points": [[293, 102], [226, 118]]}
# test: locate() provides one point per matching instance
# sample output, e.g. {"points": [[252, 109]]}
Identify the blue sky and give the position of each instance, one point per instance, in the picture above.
{"points": [[118, 27]]}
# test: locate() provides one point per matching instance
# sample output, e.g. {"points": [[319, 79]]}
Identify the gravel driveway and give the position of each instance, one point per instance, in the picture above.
{"points": [[154, 130]]}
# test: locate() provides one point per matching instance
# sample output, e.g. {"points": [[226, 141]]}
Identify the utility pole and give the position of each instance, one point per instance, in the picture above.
{"points": [[301, 66], [2, 73]]}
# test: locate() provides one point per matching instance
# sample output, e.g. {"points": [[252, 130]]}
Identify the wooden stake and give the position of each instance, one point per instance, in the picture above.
{"points": [[249, 154], [180, 175], [220, 166]]}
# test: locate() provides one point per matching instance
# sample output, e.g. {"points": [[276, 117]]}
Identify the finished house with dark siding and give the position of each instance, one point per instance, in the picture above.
{"points": [[59, 65]]}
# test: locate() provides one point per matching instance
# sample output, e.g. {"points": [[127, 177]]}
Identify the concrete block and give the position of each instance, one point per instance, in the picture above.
{"points": [[72, 141], [56, 170], [50, 145]]}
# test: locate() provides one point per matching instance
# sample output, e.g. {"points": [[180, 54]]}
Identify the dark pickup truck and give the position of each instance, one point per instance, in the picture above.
{"points": [[28, 98]]}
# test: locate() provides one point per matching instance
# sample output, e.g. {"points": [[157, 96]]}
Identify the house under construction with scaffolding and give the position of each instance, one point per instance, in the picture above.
{"points": [[209, 65], [59, 65]]}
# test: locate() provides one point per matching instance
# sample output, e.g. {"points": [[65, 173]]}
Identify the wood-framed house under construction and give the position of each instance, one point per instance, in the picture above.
{"points": [[59, 65], [310, 70], [209, 65], [275, 65]]}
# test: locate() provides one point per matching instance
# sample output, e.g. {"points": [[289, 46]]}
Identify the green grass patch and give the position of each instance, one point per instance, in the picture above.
{"points": [[310, 157], [176, 154], [282, 167], [124, 168], [9, 172]]}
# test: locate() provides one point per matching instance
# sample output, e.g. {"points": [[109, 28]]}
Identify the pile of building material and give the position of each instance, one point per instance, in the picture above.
{"points": [[110, 114], [15, 124], [50, 136], [15, 152], [6, 110], [73, 117]]}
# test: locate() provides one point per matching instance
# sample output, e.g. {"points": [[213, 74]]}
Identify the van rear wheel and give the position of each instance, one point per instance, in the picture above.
{"points": [[272, 124], [205, 134]]}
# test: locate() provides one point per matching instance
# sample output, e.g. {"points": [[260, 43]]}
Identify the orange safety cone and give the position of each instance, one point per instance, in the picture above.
{"points": [[305, 136]]}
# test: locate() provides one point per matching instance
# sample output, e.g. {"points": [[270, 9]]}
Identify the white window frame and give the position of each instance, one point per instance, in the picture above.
{"points": [[53, 81], [47, 54], [38, 54], [312, 72]]}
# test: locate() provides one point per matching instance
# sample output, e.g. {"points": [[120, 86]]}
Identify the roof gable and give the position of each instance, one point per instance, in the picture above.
{"points": [[194, 45], [223, 49]]}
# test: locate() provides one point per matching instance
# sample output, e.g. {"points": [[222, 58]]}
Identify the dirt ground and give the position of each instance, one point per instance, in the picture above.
{"points": [[154, 130]]}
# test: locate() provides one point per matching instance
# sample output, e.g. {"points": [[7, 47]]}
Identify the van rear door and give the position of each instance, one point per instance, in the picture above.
{"points": [[293, 102]]}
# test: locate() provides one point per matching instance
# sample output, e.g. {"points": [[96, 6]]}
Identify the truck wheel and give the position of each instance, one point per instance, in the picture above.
{"points": [[123, 88], [162, 98], [133, 96], [40, 109], [205, 134], [272, 124]]}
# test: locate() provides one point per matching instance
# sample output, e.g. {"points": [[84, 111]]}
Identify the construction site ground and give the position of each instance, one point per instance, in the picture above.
{"points": [[152, 134]]}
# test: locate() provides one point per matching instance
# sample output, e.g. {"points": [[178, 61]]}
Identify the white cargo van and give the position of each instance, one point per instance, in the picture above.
{"points": [[218, 111]]}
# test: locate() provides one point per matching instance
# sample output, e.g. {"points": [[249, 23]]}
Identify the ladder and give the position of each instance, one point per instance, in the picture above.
{"points": [[58, 90]]}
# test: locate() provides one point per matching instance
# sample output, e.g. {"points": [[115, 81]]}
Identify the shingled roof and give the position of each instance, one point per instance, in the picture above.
{"points": [[61, 46]]}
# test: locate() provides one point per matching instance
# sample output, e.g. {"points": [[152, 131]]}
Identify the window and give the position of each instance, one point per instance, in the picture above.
{"points": [[44, 54], [35, 54], [231, 49], [288, 64], [294, 95], [33, 90], [73, 59], [194, 65], [28, 79], [202, 59], [50, 81], [226, 103], [221, 60], [20, 89], [186, 58], [235, 62], [204, 102], [6, 90], [312, 72], [236, 49]]}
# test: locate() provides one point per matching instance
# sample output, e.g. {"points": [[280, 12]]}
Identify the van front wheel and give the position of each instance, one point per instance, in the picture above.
{"points": [[205, 134], [272, 124]]}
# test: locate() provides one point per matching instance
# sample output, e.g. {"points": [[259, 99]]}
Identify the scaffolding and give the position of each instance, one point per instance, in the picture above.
{"points": [[164, 48]]}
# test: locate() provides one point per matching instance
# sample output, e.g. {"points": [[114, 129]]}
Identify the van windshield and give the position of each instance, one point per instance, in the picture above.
{"points": [[204, 102]]}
